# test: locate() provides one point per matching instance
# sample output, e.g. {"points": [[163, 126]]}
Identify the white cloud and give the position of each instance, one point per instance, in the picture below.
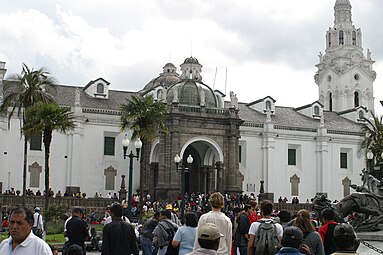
{"points": [[269, 47]]}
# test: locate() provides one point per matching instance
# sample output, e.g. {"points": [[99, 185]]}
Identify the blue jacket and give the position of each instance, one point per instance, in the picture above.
{"points": [[289, 250]]}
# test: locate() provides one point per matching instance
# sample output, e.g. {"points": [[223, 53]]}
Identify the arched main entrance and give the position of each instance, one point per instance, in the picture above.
{"points": [[202, 175]]}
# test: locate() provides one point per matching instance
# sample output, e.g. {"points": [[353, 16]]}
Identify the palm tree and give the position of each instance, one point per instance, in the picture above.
{"points": [[373, 140], [145, 117], [45, 118], [25, 90]]}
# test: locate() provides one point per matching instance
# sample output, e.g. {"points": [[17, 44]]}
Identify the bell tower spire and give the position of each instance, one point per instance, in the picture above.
{"points": [[345, 76]]}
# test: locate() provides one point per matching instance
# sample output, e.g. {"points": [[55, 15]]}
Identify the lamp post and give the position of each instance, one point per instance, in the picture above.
{"points": [[137, 144], [180, 167], [370, 156]]}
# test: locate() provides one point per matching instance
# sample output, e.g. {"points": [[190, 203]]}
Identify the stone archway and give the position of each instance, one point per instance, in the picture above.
{"points": [[203, 175]]}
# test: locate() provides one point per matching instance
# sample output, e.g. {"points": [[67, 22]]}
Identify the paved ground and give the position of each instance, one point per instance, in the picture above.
{"points": [[363, 250]]}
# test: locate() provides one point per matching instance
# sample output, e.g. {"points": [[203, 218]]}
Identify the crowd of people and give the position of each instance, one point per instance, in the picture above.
{"points": [[215, 224]]}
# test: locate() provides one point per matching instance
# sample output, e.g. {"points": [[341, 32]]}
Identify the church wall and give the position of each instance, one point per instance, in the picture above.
{"points": [[308, 170]]}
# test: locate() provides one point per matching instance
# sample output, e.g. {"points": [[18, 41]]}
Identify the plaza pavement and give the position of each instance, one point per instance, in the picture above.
{"points": [[363, 250]]}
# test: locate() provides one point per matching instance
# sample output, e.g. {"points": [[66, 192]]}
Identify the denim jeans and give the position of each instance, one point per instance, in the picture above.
{"points": [[146, 245]]}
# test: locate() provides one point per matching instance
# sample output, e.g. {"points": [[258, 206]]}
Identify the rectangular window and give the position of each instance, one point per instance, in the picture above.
{"points": [[292, 157], [240, 153], [35, 142], [343, 160], [109, 144]]}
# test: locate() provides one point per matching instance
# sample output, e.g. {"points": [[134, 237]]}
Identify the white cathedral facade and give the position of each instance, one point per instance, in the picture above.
{"points": [[295, 152]]}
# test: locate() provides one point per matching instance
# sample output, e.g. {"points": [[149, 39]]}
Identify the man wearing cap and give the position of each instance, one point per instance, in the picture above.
{"points": [[77, 229], [292, 242], [223, 222], [208, 238], [22, 241], [174, 217], [345, 239], [38, 225]]}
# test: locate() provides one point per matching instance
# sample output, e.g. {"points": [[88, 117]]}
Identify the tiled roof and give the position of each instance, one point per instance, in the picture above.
{"points": [[287, 116]]}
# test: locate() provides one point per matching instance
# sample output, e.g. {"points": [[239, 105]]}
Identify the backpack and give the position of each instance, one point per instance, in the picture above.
{"points": [[266, 241], [170, 231]]}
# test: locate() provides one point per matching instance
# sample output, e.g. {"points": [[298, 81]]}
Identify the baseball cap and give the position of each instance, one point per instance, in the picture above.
{"points": [[292, 237], [209, 231], [344, 229], [78, 209], [169, 207]]}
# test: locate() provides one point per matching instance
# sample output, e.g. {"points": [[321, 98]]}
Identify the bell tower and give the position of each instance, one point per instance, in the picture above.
{"points": [[345, 76]]}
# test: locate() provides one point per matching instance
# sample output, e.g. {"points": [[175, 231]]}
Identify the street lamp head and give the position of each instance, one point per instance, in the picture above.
{"points": [[189, 159], [138, 144], [370, 155], [177, 159], [125, 142]]}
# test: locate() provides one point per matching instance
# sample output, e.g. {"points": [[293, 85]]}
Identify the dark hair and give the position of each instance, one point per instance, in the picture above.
{"points": [[191, 220], [236, 209], [116, 209], [167, 214], [75, 249], [284, 216], [208, 244], [156, 214], [328, 214], [247, 207], [266, 207], [23, 210]]}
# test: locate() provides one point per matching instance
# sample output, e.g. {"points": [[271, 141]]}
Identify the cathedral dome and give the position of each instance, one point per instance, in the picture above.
{"points": [[191, 60], [168, 77], [191, 92]]}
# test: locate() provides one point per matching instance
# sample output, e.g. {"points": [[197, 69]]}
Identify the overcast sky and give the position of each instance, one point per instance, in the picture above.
{"points": [[269, 48]]}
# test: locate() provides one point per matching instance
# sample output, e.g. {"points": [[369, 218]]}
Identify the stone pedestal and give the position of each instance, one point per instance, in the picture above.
{"points": [[266, 196], [72, 190]]}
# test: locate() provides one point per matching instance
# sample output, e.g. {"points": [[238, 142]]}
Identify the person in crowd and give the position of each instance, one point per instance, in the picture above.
{"points": [[311, 237], [146, 237], [266, 210], [38, 225], [253, 217], [174, 217], [326, 231], [160, 232], [185, 235], [221, 220], [22, 241], [345, 239], [5, 224], [118, 236], [76, 229], [284, 218], [209, 237], [292, 242], [241, 236]]}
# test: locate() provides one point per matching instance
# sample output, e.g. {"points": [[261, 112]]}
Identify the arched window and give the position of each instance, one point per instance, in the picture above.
{"points": [[353, 38], [356, 99], [330, 102], [329, 39], [316, 110], [341, 37], [268, 105], [100, 88]]}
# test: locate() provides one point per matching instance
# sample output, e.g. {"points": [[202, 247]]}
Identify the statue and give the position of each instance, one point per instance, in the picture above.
{"points": [[320, 57], [365, 206], [368, 54], [233, 100], [175, 95], [202, 94]]}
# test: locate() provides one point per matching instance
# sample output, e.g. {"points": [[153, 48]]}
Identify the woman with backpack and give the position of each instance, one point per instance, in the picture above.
{"points": [[310, 236]]}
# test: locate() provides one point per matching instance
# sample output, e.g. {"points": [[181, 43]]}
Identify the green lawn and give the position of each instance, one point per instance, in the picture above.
{"points": [[56, 238]]}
